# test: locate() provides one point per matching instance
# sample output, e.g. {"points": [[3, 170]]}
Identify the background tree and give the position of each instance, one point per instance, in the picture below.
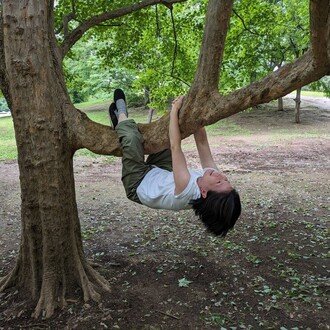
{"points": [[51, 263]]}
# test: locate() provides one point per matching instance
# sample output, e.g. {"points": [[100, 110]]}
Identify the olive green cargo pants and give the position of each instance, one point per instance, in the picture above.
{"points": [[134, 167]]}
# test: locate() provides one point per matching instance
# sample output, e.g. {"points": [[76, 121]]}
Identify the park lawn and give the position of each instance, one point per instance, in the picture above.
{"points": [[8, 149], [313, 93]]}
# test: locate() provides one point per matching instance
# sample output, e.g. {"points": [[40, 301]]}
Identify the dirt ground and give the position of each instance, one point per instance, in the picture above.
{"points": [[167, 272]]}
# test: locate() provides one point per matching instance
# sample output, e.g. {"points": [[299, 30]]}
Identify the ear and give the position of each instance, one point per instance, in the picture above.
{"points": [[203, 192]]}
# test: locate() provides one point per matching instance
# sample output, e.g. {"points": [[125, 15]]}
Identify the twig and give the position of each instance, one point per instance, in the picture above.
{"points": [[180, 79], [73, 6], [175, 42], [245, 27], [175, 51], [157, 23], [111, 25], [167, 314]]}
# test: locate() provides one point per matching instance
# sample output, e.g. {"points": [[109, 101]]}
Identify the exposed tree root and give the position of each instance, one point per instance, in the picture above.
{"points": [[47, 302], [89, 280], [10, 279], [99, 279]]}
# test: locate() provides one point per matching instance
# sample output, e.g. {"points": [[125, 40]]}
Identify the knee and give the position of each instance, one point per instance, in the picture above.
{"points": [[131, 138]]}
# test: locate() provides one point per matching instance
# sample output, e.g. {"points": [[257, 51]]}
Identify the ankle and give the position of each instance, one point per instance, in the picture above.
{"points": [[122, 116]]}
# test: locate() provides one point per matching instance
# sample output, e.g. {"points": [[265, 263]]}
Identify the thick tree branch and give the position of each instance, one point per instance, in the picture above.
{"points": [[279, 83], [203, 108], [320, 31], [77, 33], [95, 137], [211, 53]]}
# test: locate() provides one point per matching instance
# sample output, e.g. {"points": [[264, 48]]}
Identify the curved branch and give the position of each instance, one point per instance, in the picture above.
{"points": [[202, 109], [320, 31], [211, 53], [279, 83], [77, 33]]}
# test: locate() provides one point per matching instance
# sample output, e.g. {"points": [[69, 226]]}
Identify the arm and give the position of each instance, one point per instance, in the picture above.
{"points": [[203, 148], [180, 170]]}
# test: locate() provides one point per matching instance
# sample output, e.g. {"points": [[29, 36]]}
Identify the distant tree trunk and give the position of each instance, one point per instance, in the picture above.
{"points": [[253, 77], [150, 114], [146, 97], [297, 107], [280, 104]]}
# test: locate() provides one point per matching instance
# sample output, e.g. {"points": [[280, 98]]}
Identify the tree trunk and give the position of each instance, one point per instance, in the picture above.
{"points": [[146, 97], [51, 262], [297, 107], [280, 104], [150, 115]]}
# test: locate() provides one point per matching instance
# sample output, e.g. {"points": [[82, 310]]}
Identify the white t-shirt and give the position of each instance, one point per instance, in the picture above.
{"points": [[156, 190]]}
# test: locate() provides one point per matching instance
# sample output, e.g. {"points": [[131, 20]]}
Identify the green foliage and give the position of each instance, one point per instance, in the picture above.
{"points": [[137, 51], [183, 282], [262, 36], [146, 41], [3, 105], [88, 78], [322, 85]]}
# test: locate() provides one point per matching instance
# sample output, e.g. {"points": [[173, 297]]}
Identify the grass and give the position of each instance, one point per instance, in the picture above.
{"points": [[227, 127], [8, 148], [86, 105], [311, 93]]}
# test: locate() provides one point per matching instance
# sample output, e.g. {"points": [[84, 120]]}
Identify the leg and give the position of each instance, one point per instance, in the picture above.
{"points": [[134, 168], [161, 159]]}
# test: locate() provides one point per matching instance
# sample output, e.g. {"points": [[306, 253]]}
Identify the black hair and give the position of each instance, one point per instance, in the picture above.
{"points": [[218, 211]]}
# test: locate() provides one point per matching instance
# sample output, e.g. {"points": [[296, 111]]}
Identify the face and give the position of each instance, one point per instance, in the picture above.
{"points": [[215, 181]]}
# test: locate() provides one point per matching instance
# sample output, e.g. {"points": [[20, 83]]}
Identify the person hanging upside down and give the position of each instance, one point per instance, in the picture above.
{"points": [[164, 181]]}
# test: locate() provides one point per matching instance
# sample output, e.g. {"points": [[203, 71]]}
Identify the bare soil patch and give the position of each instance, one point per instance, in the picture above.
{"points": [[166, 272]]}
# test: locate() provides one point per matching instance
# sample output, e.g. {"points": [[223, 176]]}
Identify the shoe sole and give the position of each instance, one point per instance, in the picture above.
{"points": [[112, 114], [119, 94]]}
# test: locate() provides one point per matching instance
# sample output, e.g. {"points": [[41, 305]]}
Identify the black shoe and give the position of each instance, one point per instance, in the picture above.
{"points": [[119, 94], [112, 114]]}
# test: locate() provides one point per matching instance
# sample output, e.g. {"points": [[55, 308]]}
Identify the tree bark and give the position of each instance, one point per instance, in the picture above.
{"points": [[51, 262], [320, 31], [297, 107], [150, 115], [213, 44]]}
